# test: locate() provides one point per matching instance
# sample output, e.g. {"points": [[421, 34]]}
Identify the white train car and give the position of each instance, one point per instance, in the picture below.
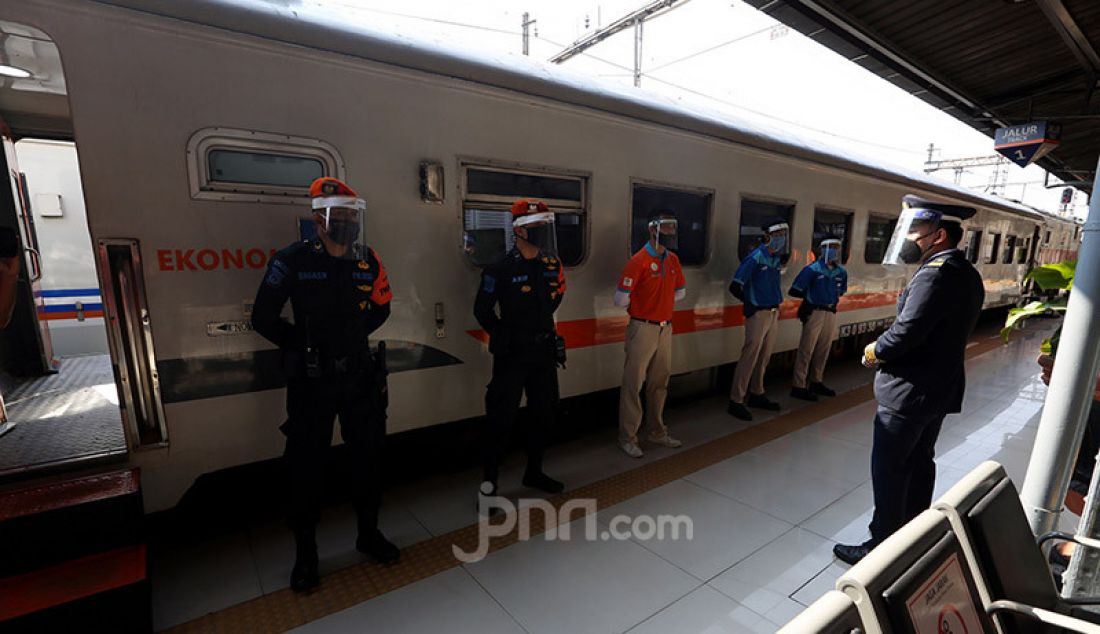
{"points": [[199, 125], [69, 287]]}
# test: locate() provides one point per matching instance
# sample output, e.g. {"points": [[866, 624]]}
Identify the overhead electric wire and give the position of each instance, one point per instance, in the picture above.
{"points": [[631, 70]]}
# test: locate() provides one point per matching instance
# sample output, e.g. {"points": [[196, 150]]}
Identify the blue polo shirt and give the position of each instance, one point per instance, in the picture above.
{"points": [[821, 284], [759, 276]]}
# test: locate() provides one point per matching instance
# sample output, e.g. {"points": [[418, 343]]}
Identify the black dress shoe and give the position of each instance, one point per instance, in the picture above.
{"points": [[542, 482], [737, 410], [377, 547], [304, 575], [803, 393], [761, 401], [819, 388], [849, 554]]}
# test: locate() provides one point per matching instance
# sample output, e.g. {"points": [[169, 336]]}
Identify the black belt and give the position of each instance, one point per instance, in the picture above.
{"points": [[667, 322], [829, 307]]}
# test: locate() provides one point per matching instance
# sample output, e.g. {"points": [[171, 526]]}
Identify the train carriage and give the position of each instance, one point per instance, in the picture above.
{"points": [[199, 125]]}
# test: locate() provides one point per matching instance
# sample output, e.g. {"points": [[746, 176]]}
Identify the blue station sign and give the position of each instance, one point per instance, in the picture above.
{"points": [[1027, 143]]}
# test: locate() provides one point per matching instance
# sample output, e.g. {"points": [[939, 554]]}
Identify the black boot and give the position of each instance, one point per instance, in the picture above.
{"points": [[738, 410], [304, 576], [852, 554], [375, 545], [760, 401], [542, 482], [803, 393], [820, 388]]}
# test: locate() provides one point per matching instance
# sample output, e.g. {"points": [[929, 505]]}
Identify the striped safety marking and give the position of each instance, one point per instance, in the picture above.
{"points": [[284, 609]]}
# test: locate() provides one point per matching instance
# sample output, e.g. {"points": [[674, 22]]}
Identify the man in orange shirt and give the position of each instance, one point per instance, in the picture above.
{"points": [[651, 282]]}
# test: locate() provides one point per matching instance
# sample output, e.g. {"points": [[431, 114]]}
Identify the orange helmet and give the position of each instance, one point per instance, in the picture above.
{"points": [[332, 192], [523, 206]]}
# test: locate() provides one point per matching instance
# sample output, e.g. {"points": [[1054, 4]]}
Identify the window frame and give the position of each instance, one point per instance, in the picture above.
{"points": [[882, 218], [975, 254], [1008, 253], [994, 249], [492, 202], [1023, 249], [690, 189], [202, 142], [850, 226], [764, 200]]}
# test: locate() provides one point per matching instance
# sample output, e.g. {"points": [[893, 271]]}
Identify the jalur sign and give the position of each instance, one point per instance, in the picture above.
{"points": [[1027, 143]]}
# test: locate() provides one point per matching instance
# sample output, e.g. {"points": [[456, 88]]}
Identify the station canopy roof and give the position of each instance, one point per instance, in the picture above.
{"points": [[990, 64]]}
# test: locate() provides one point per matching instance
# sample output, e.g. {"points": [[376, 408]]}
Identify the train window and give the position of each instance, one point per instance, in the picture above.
{"points": [[243, 165], [1022, 251], [879, 231], [691, 208], [836, 223], [994, 247], [973, 245], [1047, 241], [754, 214], [232, 167], [1009, 252], [490, 192]]}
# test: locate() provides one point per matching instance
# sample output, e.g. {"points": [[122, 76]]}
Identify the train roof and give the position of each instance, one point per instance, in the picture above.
{"points": [[320, 30]]}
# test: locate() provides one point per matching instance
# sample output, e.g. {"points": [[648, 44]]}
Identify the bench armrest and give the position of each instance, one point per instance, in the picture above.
{"points": [[1046, 617]]}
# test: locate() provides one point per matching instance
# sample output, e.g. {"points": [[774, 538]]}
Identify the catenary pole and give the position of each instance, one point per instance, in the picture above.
{"points": [[1072, 383]]}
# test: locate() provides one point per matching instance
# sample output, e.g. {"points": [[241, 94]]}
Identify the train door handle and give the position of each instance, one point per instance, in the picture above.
{"points": [[37, 259]]}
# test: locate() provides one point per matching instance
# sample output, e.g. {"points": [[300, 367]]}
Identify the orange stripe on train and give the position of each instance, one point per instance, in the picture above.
{"points": [[583, 333]]}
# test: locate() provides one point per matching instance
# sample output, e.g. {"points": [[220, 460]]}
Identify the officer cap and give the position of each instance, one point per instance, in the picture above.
{"points": [[924, 209], [524, 206]]}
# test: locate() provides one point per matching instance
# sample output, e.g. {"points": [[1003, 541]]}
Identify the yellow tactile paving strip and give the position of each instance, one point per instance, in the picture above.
{"points": [[284, 610]]}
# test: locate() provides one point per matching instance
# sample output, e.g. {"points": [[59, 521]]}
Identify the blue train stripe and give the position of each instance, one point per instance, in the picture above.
{"points": [[70, 292], [69, 308]]}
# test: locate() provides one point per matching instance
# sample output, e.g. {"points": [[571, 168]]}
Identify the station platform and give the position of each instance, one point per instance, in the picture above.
{"points": [[766, 502], [63, 420]]}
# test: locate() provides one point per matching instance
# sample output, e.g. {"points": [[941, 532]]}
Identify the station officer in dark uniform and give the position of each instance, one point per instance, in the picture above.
{"points": [[339, 294], [920, 361], [526, 286], [756, 284]]}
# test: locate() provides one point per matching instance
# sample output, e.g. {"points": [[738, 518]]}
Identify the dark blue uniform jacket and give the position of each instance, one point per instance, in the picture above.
{"points": [[922, 354]]}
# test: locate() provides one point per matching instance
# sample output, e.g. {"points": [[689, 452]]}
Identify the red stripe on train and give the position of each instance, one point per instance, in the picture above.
{"points": [[583, 333], [69, 315]]}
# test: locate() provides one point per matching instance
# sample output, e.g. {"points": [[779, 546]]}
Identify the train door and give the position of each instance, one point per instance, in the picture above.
{"points": [[26, 346]]}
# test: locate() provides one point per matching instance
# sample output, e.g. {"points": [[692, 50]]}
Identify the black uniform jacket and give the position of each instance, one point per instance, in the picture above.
{"points": [[336, 302], [922, 354], [527, 293]]}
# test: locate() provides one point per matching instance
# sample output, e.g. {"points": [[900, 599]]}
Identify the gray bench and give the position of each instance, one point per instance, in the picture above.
{"points": [[834, 613], [1014, 580], [915, 580]]}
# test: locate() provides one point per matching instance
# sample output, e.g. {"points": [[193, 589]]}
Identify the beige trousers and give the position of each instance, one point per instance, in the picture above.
{"points": [[759, 337], [818, 334], [648, 361]]}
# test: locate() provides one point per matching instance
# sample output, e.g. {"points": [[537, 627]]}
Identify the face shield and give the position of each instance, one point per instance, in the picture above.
{"points": [[779, 239], [830, 251], [664, 230], [914, 224], [340, 225], [538, 231]]}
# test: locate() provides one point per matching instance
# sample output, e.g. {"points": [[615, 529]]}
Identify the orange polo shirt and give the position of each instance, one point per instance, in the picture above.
{"points": [[652, 282]]}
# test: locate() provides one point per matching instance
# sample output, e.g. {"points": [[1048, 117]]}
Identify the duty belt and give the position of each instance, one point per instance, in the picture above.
{"points": [[829, 307], [667, 322]]}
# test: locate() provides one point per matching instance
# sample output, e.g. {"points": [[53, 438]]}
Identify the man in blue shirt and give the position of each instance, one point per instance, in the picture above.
{"points": [[756, 284], [820, 285]]}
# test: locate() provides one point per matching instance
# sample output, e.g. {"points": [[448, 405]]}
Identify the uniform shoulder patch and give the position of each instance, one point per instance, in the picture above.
{"points": [[935, 263]]}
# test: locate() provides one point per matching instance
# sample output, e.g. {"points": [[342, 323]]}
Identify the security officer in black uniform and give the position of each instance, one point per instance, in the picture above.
{"points": [[920, 361], [339, 294], [527, 286]]}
